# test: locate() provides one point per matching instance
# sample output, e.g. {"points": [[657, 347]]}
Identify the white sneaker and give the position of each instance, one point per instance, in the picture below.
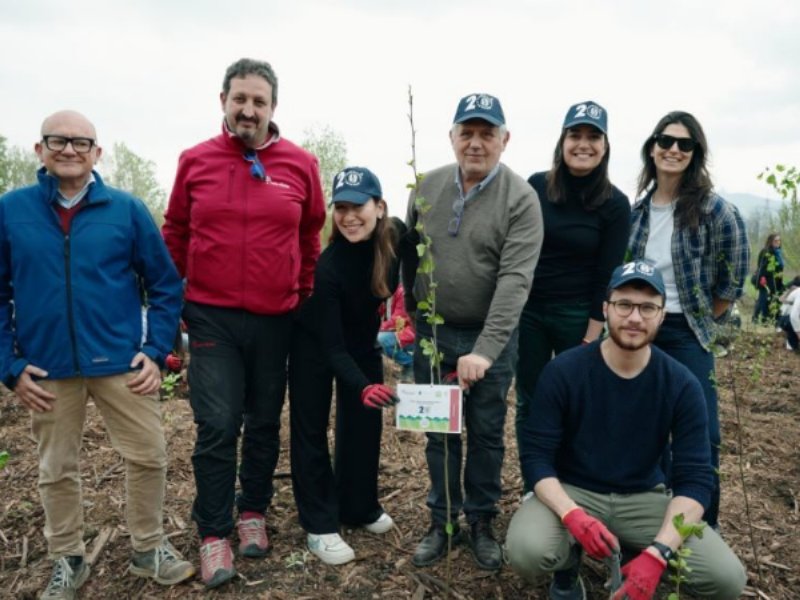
{"points": [[330, 548], [383, 524]]}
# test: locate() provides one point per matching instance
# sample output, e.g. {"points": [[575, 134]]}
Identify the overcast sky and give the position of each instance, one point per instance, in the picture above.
{"points": [[149, 73]]}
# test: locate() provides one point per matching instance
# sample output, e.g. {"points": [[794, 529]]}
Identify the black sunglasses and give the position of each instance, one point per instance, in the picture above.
{"points": [[666, 142]]}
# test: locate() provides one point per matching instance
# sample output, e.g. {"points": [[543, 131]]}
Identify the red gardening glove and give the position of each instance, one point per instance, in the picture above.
{"points": [[173, 363], [762, 282], [641, 575], [595, 537], [378, 396]]}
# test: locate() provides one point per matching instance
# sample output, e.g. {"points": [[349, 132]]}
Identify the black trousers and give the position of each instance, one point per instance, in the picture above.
{"points": [[347, 492], [237, 382]]}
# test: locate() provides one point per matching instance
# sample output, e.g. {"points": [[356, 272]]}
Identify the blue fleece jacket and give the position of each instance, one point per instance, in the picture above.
{"points": [[72, 304], [591, 428]]}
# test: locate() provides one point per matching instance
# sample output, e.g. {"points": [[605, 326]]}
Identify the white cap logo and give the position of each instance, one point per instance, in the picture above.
{"points": [[594, 111], [645, 269], [353, 178], [485, 102]]}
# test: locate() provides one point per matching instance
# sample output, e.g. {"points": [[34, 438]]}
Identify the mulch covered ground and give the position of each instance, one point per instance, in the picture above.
{"points": [[760, 407]]}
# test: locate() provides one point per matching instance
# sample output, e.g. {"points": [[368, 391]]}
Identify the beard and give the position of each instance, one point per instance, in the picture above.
{"points": [[617, 336], [247, 134]]}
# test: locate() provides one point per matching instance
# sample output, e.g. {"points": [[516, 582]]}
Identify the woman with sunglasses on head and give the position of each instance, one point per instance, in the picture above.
{"points": [[698, 242], [586, 225], [335, 339]]}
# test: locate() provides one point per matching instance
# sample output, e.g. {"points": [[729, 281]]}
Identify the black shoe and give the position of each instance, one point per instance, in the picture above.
{"points": [[485, 548], [567, 583], [434, 545]]}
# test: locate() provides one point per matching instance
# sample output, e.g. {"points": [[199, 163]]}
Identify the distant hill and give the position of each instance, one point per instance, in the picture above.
{"points": [[751, 203]]}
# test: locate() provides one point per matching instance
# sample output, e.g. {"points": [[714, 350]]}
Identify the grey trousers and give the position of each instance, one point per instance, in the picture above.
{"points": [[537, 543]]}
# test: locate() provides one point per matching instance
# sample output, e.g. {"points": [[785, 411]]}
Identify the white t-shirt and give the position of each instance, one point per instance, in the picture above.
{"points": [[659, 251]]}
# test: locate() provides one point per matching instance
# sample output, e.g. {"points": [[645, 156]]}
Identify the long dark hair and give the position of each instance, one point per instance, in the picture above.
{"points": [[598, 187], [385, 239], [771, 238], [695, 185]]}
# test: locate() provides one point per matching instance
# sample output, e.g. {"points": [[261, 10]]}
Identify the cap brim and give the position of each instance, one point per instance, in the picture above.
{"points": [[626, 279], [473, 116], [351, 196], [575, 122]]}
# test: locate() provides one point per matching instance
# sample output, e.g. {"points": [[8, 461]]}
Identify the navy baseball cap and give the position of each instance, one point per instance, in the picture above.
{"points": [[356, 185], [638, 270], [480, 106], [587, 113]]}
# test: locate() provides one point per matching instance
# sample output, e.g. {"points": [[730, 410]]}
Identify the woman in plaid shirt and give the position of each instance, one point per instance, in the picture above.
{"points": [[698, 242]]}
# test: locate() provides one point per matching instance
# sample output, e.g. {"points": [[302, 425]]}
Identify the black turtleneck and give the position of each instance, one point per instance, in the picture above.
{"points": [[342, 313], [580, 248]]}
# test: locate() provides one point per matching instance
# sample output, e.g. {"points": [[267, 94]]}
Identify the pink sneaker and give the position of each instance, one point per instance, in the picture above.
{"points": [[216, 561], [253, 540]]}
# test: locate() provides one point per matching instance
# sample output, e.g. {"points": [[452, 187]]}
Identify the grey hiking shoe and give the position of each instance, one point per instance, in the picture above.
{"points": [[164, 564], [69, 573]]}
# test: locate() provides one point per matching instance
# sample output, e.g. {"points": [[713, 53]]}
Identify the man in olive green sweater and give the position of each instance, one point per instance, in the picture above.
{"points": [[486, 230]]}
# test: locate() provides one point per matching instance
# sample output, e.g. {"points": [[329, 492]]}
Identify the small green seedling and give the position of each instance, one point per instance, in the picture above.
{"points": [[678, 563], [4, 457], [169, 385]]}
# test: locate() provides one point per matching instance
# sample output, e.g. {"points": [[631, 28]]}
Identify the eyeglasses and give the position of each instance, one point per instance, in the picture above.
{"points": [[256, 168], [666, 142], [455, 223], [57, 143], [624, 308]]}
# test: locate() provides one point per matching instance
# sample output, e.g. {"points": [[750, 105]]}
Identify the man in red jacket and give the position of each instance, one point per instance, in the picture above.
{"points": [[243, 227]]}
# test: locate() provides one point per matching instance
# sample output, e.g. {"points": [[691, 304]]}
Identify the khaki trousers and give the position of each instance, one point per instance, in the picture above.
{"points": [[537, 543], [134, 426]]}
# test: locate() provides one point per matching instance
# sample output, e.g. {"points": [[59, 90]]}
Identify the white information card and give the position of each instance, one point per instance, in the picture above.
{"points": [[426, 407]]}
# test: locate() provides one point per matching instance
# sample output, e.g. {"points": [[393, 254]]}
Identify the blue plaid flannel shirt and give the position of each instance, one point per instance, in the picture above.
{"points": [[711, 261]]}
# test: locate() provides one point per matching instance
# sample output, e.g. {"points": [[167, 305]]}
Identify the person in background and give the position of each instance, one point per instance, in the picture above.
{"points": [[335, 340], [76, 256], [789, 321], [591, 446], [769, 280], [396, 335], [242, 226], [586, 226], [698, 242], [485, 226]]}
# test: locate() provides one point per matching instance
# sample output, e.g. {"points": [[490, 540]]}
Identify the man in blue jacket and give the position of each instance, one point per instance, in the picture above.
{"points": [[76, 257], [601, 417]]}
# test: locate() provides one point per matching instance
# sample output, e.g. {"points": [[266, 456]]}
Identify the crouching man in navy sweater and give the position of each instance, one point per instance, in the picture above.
{"points": [[592, 446]]}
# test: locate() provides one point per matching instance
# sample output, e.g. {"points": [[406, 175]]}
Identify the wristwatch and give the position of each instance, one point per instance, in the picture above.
{"points": [[665, 551]]}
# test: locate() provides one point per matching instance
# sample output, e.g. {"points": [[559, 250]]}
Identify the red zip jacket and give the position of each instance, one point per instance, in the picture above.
{"points": [[241, 242]]}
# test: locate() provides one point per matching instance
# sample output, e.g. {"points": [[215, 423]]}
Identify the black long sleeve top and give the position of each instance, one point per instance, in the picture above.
{"points": [[343, 313], [581, 248]]}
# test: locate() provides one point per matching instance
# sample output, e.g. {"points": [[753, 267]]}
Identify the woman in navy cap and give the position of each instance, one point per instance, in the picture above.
{"points": [[699, 243], [586, 224], [335, 339]]}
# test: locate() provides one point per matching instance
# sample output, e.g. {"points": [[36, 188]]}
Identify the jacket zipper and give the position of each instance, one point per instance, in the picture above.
{"points": [[70, 315]]}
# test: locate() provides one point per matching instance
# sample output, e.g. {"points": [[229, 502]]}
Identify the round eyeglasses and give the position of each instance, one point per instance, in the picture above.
{"points": [[624, 308]]}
